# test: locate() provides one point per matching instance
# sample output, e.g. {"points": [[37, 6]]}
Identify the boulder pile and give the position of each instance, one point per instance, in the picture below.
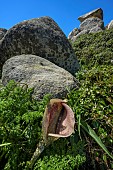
{"points": [[41, 37], [91, 22], [38, 53]]}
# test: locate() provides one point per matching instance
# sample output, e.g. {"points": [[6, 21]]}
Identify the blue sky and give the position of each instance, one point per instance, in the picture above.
{"points": [[64, 12]]}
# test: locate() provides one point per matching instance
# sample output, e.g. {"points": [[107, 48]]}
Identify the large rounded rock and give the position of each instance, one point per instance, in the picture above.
{"points": [[39, 73], [40, 36], [90, 23]]}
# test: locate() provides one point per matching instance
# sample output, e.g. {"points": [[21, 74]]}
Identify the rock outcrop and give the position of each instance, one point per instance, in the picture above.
{"points": [[42, 37], [95, 29], [90, 23], [2, 32], [79, 34], [73, 33], [40, 74], [98, 13], [110, 25]]}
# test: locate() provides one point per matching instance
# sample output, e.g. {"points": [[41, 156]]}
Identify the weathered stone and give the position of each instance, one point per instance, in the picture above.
{"points": [[39, 73], [79, 34], [106, 27], [2, 32], [110, 25], [95, 13], [90, 23], [74, 32], [40, 36], [95, 29]]}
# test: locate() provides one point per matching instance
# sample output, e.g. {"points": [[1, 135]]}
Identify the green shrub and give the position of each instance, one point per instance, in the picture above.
{"points": [[20, 129], [93, 104], [94, 48], [64, 154], [20, 125]]}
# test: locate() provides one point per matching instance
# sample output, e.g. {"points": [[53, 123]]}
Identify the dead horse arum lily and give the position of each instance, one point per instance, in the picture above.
{"points": [[58, 121]]}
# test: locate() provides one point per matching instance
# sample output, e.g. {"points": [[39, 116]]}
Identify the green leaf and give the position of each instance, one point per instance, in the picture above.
{"points": [[79, 123], [5, 144], [92, 133]]}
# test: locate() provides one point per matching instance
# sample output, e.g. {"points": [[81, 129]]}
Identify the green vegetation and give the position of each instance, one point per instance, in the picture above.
{"points": [[95, 48], [90, 147], [64, 154], [20, 125], [93, 104], [20, 129]]}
